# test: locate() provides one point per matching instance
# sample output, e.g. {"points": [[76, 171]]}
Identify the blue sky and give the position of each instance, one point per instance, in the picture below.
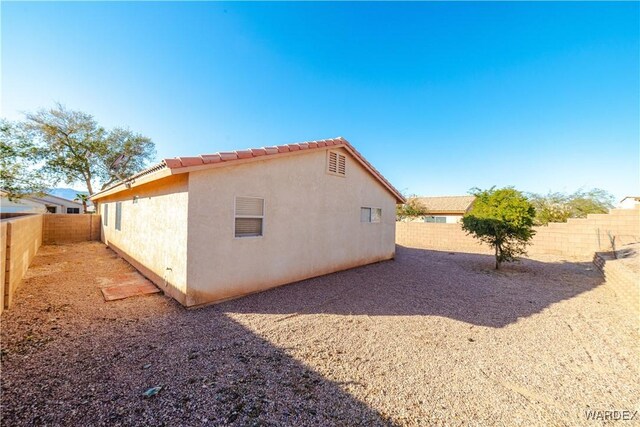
{"points": [[440, 97]]}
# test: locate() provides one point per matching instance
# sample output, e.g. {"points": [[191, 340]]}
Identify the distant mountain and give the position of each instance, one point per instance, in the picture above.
{"points": [[65, 193]]}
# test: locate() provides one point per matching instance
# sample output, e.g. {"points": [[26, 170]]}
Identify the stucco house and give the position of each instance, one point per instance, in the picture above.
{"points": [[44, 203], [446, 209], [223, 225]]}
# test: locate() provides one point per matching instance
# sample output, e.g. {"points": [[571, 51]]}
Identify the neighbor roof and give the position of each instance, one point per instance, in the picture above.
{"points": [[46, 196], [179, 165], [43, 198], [447, 204]]}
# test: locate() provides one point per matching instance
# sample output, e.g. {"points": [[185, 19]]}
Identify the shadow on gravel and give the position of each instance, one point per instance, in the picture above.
{"points": [[212, 371], [458, 286], [69, 358]]}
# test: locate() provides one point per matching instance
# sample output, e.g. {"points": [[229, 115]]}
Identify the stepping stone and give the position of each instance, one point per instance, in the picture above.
{"points": [[133, 285]]}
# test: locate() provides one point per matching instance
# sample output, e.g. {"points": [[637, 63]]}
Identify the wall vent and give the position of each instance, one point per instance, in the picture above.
{"points": [[336, 163]]}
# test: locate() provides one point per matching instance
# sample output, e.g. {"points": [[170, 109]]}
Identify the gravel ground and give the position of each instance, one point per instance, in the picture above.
{"points": [[432, 338]]}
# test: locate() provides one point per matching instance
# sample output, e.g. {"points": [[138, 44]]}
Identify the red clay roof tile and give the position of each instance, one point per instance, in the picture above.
{"points": [[228, 155], [172, 163], [190, 161], [211, 158], [244, 154], [258, 152]]}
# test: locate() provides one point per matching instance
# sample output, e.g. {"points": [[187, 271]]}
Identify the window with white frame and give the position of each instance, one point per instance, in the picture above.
{"points": [[118, 216], [249, 217], [370, 215], [73, 210], [336, 163]]}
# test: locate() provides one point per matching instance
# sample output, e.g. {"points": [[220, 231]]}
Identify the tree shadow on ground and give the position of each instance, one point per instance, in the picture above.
{"points": [[82, 361], [458, 286]]}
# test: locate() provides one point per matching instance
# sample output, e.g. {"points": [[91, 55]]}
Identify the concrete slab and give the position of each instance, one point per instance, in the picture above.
{"points": [[126, 286]]}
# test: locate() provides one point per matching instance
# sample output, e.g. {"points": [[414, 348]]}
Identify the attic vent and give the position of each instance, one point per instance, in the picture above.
{"points": [[249, 216], [336, 163]]}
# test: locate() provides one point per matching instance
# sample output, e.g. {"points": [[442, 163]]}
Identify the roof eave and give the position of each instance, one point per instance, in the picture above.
{"points": [[144, 177], [176, 166]]}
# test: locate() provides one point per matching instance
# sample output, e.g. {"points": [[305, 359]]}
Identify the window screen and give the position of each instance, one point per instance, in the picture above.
{"points": [[249, 216], [118, 215], [105, 215], [365, 214], [73, 210], [376, 214]]}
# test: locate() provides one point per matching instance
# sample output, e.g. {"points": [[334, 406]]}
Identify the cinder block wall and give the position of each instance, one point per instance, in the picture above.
{"points": [[620, 278], [3, 261], [577, 238], [439, 237], [70, 228], [582, 237], [23, 239]]}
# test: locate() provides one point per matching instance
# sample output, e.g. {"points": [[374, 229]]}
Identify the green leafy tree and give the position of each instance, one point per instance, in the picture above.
{"points": [[552, 207], [72, 148], [412, 209], [582, 203], [502, 218], [19, 174], [559, 207]]}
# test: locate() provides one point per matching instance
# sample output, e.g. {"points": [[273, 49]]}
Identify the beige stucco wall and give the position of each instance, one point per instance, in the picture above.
{"points": [[311, 227], [153, 235]]}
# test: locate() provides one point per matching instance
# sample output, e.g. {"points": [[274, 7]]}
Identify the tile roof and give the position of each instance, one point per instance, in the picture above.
{"points": [[453, 204], [186, 164]]}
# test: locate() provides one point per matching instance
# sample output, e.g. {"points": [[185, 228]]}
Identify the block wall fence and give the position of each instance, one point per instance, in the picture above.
{"points": [[70, 228], [21, 237], [621, 278], [579, 238]]}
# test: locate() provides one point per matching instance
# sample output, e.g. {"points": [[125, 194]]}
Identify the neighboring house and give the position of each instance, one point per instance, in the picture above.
{"points": [[223, 225], [629, 202], [45, 203], [446, 209]]}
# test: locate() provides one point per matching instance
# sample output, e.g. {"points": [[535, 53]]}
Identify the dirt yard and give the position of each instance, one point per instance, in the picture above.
{"points": [[432, 338]]}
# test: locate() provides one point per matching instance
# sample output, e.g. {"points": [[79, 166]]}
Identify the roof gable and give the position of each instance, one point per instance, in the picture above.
{"points": [[179, 165]]}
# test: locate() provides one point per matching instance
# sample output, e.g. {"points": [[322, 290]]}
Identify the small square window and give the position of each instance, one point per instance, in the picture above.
{"points": [[249, 217], [371, 215]]}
